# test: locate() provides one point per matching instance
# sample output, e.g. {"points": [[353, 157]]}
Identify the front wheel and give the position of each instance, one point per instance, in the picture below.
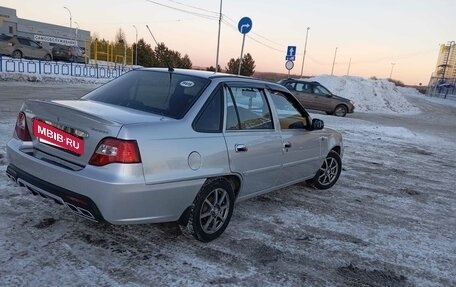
{"points": [[340, 111], [211, 210], [17, 54], [47, 57], [329, 172]]}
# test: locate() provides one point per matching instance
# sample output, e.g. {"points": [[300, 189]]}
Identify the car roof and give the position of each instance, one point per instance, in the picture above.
{"points": [[214, 75], [299, 80]]}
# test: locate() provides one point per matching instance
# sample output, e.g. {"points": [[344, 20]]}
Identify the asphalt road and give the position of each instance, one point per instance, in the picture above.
{"points": [[13, 94], [434, 119]]}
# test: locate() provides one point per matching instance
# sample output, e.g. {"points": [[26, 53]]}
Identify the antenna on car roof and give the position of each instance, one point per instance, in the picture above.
{"points": [[170, 69]]}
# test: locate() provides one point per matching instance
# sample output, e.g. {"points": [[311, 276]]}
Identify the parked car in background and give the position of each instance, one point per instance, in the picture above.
{"points": [[157, 145], [21, 47], [313, 95], [68, 53]]}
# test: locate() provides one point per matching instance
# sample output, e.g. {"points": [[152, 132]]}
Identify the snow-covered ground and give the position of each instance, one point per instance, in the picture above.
{"points": [[389, 221]]}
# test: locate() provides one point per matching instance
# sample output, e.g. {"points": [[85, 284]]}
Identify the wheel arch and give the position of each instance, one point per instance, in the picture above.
{"points": [[233, 179]]}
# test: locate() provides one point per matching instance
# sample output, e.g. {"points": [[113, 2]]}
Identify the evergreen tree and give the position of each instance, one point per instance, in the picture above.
{"points": [[247, 68]]}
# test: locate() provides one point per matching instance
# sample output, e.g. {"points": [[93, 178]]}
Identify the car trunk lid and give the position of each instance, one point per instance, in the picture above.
{"points": [[68, 132]]}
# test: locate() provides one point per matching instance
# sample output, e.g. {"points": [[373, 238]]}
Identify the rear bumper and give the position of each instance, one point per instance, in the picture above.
{"points": [[80, 204], [115, 193]]}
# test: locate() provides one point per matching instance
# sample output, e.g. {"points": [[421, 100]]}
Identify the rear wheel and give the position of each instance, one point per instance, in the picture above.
{"points": [[211, 210], [329, 172], [47, 57], [17, 54], [340, 111]]}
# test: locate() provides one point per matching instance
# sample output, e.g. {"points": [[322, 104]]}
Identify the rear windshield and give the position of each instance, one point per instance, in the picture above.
{"points": [[164, 93]]}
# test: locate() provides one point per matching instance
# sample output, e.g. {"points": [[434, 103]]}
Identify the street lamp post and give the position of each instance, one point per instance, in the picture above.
{"points": [[305, 47], [392, 67], [136, 46], [76, 32], [71, 19], [334, 61]]}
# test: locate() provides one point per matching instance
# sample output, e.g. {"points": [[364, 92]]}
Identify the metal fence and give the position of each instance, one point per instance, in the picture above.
{"points": [[443, 88], [52, 68]]}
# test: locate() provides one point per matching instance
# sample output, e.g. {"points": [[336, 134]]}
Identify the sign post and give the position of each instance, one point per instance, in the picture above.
{"points": [[244, 26], [290, 56], [289, 65], [291, 53]]}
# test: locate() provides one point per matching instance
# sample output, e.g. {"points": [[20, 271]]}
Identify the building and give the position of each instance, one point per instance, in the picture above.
{"points": [[443, 79], [446, 62], [45, 33]]}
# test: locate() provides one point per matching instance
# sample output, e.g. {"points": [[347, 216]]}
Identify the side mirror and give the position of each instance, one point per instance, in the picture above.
{"points": [[317, 124]]}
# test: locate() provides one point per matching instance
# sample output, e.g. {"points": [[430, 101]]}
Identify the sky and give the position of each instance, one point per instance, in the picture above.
{"points": [[373, 34]]}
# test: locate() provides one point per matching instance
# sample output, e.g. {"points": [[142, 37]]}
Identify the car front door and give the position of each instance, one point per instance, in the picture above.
{"points": [[24, 45], [254, 146], [323, 99], [303, 92], [301, 146]]}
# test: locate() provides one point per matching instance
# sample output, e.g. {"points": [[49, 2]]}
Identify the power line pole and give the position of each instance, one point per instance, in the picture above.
{"points": [[334, 61], [136, 46], [391, 73], [349, 64], [218, 38], [305, 47]]}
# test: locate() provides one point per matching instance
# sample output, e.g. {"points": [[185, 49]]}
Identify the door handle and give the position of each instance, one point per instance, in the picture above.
{"points": [[240, 148], [287, 144]]}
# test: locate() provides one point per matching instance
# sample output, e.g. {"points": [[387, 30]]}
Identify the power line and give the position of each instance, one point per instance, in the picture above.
{"points": [[194, 7], [209, 17], [215, 18]]}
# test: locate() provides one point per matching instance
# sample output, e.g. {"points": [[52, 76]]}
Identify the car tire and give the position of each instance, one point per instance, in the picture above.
{"points": [[211, 210], [47, 57], [329, 172], [16, 54], [340, 111]]}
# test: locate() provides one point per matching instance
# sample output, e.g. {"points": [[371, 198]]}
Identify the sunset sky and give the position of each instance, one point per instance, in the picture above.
{"points": [[372, 33]]}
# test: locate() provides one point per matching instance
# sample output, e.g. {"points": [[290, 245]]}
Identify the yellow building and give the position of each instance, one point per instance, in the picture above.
{"points": [[446, 62]]}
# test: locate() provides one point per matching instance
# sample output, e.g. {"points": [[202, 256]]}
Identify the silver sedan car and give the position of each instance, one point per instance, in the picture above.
{"points": [[160, 145]]}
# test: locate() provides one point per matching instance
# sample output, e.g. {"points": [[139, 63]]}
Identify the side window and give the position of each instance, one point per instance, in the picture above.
{"points": [[23, 41], [291, 86], [320, 90], [209, 119], [303, 87], [34, 44], [290, 116], [247, 109]]}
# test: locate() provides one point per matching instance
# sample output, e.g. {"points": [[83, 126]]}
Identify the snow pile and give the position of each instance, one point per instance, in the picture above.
{"points": [[379, 96]]}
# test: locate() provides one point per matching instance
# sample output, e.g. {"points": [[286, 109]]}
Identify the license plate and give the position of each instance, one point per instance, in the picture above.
{"points": [[51, 135]]}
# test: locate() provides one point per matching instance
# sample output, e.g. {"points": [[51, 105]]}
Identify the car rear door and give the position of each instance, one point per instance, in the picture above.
{"points": [[254, 146], [301, 146]]}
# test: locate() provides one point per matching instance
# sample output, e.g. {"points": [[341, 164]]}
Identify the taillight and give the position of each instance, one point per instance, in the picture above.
{"points": [[112, 150], [70, 51], [21, 127], [10, 44]]}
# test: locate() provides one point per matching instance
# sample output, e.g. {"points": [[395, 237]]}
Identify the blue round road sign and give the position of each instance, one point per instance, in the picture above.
{"points": [[245, 25]]}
